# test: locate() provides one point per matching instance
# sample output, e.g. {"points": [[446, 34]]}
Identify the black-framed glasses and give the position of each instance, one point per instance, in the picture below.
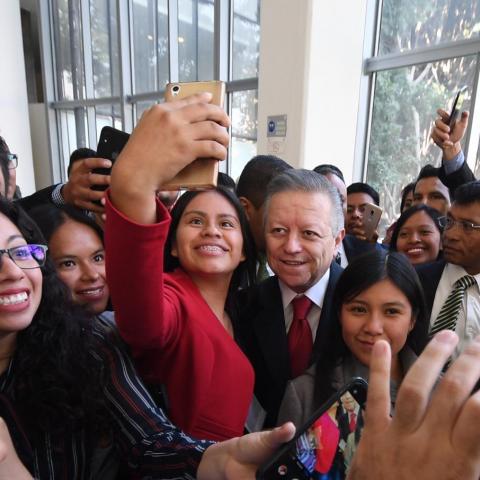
{"points": [[11, 158], [27, 256], [448, 222]]}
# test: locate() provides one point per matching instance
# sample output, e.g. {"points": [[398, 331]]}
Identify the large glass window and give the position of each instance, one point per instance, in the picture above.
{"points": [[407, 97]]}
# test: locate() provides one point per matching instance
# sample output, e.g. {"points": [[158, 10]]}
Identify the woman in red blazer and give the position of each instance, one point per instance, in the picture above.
{"points": [[176, 323]]}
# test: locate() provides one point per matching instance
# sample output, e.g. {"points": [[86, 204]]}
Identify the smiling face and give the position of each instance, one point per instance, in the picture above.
{"points": [[299, 238], [379, 312], [209, 238], [20, 290], [79, 258], [419, 239]]}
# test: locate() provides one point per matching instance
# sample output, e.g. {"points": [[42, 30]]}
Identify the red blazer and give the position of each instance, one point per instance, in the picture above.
{"points": [[175, 337]]}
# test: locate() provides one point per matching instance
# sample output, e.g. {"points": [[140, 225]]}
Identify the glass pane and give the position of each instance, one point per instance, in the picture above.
{"points": [[404, 109], [246, 38], [244, 130], [103, 27], [150, 45], [107, 115], [72, 132], [195, 40], [67, 28], [410, 24]]}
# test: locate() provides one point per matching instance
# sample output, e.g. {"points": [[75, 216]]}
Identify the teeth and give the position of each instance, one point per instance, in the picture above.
{"points": [[291, 262], [210, 248], [13, 299], [93, 292], [415, 250]]}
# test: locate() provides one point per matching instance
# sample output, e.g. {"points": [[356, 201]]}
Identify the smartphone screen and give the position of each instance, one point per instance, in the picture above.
{"points": [[324, 448]]}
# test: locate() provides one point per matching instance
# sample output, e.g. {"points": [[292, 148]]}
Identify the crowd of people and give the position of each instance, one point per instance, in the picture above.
{"points": [[151, 335]]}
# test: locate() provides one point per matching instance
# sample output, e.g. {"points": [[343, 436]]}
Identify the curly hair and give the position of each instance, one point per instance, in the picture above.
{"points": [[57, 382]]}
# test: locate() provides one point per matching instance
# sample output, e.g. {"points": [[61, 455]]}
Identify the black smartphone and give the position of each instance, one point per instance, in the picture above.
{"points": [[109, 146], [324, 446], [457, 106]]}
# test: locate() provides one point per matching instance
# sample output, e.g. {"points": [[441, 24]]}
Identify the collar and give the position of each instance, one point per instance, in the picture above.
{"points": [[454, 272], [315, 293]]}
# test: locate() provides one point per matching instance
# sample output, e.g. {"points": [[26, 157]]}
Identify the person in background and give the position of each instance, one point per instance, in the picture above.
{"points": [[418, 234], [378, 296], [358, 195], [226, 181], [335, 176]]}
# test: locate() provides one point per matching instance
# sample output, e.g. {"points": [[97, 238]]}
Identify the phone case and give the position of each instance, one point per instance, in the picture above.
{"points": [[371, 218], [202, 173]]}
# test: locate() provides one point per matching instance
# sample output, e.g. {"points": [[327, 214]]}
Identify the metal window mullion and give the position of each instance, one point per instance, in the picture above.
{"points": [[88, 72], [195, 29], [173, 40], [50, 88], [155, 40], [125, 56], [436, 53], [473, 131], [221, 35]]}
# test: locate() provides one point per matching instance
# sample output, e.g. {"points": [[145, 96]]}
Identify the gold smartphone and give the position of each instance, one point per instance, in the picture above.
{"points": [[201, 173], [371, 219]]}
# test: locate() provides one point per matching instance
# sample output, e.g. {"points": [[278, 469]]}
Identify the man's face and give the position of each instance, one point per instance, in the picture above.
{"points": [[355, 209], [460, 246], [432, 192], [299, 238]]}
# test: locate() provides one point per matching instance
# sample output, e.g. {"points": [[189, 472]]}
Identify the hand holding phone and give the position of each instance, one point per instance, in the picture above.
{"points": [[371, 218], [456, 107], [325, 445]]}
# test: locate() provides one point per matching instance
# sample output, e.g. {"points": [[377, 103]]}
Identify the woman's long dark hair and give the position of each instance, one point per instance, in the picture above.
{"points": [[431, 212], [244, 274], [362, 273], [57, 382]]}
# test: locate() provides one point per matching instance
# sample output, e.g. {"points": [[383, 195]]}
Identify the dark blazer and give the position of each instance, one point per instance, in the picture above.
{"points": [[38, 198], [429, 275], [261, 334], [457, 178], [354, 247]]}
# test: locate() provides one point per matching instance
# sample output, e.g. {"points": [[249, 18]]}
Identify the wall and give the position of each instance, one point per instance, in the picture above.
{"points": [[311, 54], [14, 121]]}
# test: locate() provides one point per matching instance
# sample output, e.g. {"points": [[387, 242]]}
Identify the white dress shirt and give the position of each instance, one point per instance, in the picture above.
{"points": [[468, 322], [343, 256], [315, 293]]}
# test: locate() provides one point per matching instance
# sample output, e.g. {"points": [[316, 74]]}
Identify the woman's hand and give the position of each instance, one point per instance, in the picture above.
{"points": [[10, 465], [167, 138], [240, 458]]}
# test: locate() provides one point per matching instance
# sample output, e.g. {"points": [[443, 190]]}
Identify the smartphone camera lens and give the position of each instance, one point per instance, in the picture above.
{"points": [[176, 89]]}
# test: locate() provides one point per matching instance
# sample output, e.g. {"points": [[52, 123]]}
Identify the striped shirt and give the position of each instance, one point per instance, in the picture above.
{"points": [[143, 440]]}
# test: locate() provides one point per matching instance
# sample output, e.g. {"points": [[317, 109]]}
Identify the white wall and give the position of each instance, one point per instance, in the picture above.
{"points": [[310, 69], [14, 121]]}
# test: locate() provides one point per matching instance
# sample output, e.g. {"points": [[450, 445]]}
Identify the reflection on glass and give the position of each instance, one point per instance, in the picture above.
{"points": [[404, 109], [105, 60], [410, 24], [195, 39], [244, 130], [150, 44], [67, 30], [246, 38]]}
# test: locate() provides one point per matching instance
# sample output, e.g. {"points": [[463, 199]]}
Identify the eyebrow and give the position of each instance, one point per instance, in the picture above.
{"points": [[363, 302], [204, 214], [11, 238]]}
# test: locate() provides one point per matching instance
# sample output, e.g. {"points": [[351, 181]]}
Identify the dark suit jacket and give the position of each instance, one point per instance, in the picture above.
{"points": [[38, 198], [457, 178], [429, 275], [354, 247], [261, 334]]}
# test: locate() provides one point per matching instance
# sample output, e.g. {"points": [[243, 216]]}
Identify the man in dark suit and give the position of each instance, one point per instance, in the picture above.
{"points": [[461, 258], [303, 229]]}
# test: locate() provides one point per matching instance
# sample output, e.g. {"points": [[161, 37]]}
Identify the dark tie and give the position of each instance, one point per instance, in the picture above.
{"points": [[300, 336], [338, 258], [448, 315]]}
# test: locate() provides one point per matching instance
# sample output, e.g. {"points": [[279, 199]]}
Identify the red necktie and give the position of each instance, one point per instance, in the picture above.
{"points": [[353, 422], [300, 336]]}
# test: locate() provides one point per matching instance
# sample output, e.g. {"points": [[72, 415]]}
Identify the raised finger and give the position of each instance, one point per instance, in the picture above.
{"points": [[209, 149], [413, 396], [99, 179], [443, 127], [456, 386], [466, 434], [445, 116], [93, 162], [378, 397]]}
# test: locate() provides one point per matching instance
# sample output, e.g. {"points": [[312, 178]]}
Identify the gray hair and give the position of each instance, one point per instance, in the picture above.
{"points": [[308, 181]]}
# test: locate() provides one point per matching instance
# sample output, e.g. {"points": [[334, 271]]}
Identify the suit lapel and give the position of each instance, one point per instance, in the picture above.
{"points": [[269, 330]]}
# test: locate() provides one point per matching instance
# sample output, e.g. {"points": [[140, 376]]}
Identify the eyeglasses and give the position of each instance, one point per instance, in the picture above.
{"points": [[447, 223], [11, 158], [27, 256]]}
